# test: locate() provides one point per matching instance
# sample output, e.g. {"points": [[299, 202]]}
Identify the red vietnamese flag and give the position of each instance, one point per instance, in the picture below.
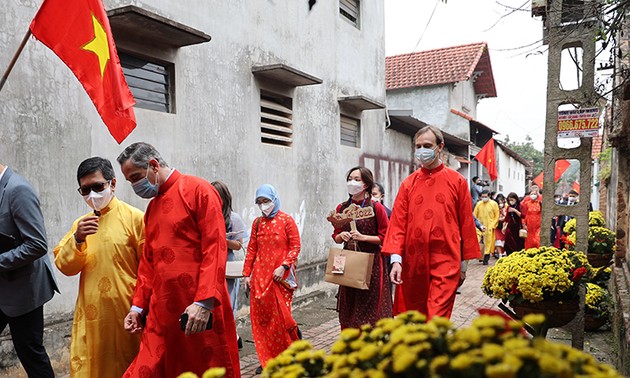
{"points": [[539, 180], [78, 32], [576, 186], [487, 158], [561, 167]]}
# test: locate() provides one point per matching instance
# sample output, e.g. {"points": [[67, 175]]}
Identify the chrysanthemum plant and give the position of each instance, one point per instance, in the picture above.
{"points": [[537, 274]]}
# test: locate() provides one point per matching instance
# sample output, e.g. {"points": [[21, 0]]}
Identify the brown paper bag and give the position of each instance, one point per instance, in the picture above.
{"points": [[355, 272]]}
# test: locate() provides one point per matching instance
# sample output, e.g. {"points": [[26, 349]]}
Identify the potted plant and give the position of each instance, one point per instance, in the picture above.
{"points": [[601, 240], [409, 346], [596, 309], [539, 280]]}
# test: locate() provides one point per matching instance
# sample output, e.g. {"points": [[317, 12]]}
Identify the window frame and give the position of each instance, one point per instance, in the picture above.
{"points": [[357, 131], [277, 131], [346, 12], [169, 68]]}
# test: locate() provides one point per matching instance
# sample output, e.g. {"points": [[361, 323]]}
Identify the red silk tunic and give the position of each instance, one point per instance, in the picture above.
{"points": [[432, 228], [274, 242], [531, 212], [184, 261]]}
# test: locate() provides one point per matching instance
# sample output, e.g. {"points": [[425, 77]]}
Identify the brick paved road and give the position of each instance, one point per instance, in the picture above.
{"points": [[323, 335]]}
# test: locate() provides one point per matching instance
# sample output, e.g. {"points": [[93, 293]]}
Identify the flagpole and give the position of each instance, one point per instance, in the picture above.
{"points": [[15, 58]]}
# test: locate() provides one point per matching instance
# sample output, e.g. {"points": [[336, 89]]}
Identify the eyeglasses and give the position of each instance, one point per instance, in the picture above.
{"points": [[98, 187]]}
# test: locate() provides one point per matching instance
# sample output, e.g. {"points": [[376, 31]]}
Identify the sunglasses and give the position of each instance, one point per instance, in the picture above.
{"points": [[98, 187]]}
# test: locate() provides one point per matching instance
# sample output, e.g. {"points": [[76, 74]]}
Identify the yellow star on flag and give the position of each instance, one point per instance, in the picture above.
{"points": [[99, 45]]}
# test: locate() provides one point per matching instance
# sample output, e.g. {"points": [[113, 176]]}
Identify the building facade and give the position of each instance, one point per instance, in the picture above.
{"points": [[239, 91]]}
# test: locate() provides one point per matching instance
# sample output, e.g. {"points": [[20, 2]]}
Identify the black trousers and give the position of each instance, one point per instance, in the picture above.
{"points": [[27, 333]]}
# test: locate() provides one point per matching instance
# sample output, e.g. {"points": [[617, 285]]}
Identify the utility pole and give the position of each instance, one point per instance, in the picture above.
{"points": [[569, 24]]}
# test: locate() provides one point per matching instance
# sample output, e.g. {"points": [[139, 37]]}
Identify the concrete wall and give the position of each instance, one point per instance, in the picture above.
{"points": [[511, 176], [463, 98], [49, 124], [433, 105]]}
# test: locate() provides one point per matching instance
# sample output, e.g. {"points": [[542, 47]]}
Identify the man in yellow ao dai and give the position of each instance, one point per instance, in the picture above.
{"points": [[105, 247], [487, 211]]}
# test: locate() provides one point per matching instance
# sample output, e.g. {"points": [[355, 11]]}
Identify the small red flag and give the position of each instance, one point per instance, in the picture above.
{"points": [[561, 167], [576, 186], [539, 180], [487, 158], [78, 32]]}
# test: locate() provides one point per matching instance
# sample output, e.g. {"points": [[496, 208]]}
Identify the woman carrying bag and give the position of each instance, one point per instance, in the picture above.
{"points": [[513, 224], [357, 307], [269, 273]]}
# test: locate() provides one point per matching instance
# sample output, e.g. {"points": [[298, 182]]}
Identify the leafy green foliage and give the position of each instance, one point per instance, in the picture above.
{"points": [[527, 150]]}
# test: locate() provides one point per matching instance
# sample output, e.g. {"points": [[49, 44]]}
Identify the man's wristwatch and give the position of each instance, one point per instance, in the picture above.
{"points": [[285, 266]]}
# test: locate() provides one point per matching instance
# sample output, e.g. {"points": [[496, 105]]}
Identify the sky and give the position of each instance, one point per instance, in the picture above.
{"points": [[520, 73]]}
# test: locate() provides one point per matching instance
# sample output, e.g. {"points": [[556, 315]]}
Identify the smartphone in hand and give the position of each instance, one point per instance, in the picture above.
{"points": [[183, 320]]}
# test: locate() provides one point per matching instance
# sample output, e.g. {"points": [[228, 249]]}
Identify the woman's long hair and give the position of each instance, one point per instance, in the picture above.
{"points": [[226, 199], [516, 205]]}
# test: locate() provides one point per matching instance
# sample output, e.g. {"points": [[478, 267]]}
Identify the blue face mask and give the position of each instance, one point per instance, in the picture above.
{"points": [[144, 188], [425, 155]]}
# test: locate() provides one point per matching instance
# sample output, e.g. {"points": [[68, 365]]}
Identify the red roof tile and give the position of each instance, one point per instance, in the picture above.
{"points": [[442, 66]]}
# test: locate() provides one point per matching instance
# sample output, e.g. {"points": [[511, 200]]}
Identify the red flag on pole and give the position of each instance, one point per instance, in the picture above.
{"points": [[576, 186], [487, 158], [539, 180], [78, 32], [561, 167]]}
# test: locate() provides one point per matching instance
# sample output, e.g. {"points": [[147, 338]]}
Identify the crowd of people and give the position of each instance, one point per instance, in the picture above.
{"points": [[513, 223], [153, 296]]}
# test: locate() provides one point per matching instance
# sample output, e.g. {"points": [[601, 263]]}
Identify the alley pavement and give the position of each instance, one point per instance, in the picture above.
{"points": [[319, 323]]}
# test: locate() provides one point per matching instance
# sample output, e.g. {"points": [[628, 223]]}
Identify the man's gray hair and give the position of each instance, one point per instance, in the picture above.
{"points": [[140, 154]]}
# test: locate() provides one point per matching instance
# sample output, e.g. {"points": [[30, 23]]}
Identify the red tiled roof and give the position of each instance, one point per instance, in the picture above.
{"points": [[442, 66]]}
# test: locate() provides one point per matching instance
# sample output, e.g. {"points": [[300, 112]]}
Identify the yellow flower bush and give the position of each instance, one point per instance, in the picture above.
{"points": [[409, 346], [595, 219], [601, 240], [598, 301], [537, 274]]}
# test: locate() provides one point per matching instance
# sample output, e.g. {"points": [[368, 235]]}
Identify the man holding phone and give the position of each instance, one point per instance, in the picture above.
{"points": [[105, 247], [182, 271]]}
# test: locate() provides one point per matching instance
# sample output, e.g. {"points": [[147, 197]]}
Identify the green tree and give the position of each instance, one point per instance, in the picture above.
{"points": [[528, 152]]}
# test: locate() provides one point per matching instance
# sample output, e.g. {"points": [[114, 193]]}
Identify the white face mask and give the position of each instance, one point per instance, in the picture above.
{"points": [[376, 198], [501, 205], [533, 196], [571, 200], [355, 187], [266, 208], [99, 201], [486, 199]]}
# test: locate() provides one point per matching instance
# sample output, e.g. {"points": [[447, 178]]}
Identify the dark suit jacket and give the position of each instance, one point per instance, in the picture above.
{"points": [[27, 280]]}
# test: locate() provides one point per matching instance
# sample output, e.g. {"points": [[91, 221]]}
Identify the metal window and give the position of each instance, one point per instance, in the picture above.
{"points": [[150, 83], [276, 120], [350, 131], [350, 10]]}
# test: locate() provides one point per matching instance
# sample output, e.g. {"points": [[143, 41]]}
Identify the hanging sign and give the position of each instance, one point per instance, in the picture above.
{"points": [[578, 123]]}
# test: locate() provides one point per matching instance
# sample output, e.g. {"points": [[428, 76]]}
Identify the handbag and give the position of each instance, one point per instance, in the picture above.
{"points": [[290, 279], [522, 233], [234, 269], [349, 268]]}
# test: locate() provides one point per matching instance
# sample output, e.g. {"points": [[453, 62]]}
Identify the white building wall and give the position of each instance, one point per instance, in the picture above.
{"points": [[50, 125], [511, 174], [463, 98]]}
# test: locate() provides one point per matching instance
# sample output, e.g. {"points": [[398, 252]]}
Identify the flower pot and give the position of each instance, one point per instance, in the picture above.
{"points": [[591, 323], [557, 314], [598, 260]]}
